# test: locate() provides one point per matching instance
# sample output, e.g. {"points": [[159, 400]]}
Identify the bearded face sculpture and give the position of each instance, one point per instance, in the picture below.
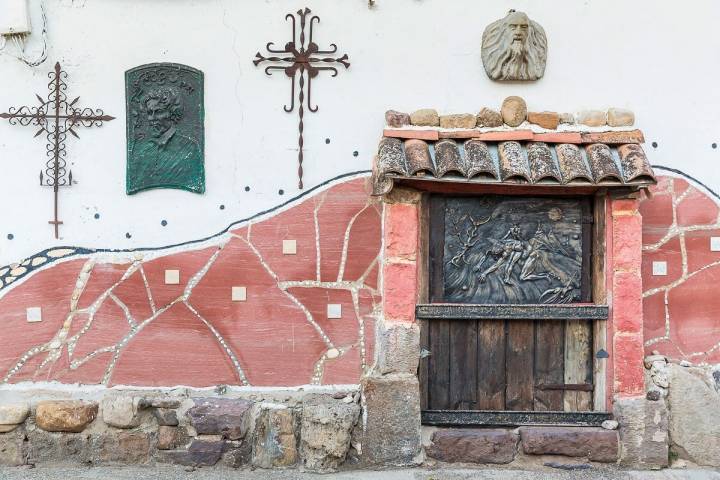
{"points": [[514, 48]]}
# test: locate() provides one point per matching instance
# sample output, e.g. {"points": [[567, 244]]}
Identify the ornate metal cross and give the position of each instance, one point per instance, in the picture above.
{"points": [[56, 117], [299, 58]]}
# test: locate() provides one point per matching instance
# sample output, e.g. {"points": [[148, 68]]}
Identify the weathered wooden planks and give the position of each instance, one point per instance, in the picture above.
{"points": [[519, 365], [578, 364], [463, 361], [491, 365], [549, 364]]}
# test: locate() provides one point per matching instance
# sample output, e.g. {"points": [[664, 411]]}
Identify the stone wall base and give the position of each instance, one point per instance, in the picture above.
{"points": [[311, 430], [563, 446]]}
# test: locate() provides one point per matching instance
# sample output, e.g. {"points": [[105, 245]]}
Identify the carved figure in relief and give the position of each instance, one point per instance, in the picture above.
{"points": [[514, 48], [510, 256], [165, 128], [164, 151]]}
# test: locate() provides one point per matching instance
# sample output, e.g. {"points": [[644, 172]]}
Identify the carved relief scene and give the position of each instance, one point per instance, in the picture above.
{"points": [[513, 250]]}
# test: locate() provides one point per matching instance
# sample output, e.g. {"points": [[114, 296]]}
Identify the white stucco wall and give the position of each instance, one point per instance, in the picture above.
{"points": [[658, 58]]}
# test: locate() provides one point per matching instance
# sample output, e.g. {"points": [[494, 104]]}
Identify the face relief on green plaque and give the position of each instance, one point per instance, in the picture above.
{"points": [[165, 131]]}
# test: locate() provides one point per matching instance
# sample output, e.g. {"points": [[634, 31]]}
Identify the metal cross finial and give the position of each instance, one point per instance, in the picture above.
{"points": [[298, 57], [56, 117]]}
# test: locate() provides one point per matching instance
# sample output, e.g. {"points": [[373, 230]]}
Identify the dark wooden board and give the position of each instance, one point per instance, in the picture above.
{"points": [[491, 365], [511, 419], [439, 368], [519, 365], [463, 361], [458, 311], [549, 361]]}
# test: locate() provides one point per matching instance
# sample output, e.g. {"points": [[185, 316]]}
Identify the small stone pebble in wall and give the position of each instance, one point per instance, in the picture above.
{"points": [[327, 141], [127, 235], [222, 207], [355, 153], [714, 145], [164, 223], [247, 189], [97, 216], [654, 144], [10, 236], [281, 192]]}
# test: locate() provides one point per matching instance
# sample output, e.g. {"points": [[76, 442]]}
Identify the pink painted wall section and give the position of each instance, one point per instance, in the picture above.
{"points": [[306, 318], [400, 271], [625, 290], [681, 272]]}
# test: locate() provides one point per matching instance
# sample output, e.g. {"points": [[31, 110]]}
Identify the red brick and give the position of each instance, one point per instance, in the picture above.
{"points": [[565, 137], [417, 134], [627, 242], [627, 302], [679, 186], [507, 135], [628, 354], [364, 246], [633, 136], [400, 291], [401, 230], [625, 206]]}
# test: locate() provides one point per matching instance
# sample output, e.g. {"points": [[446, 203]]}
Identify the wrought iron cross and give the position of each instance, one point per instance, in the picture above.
{"points": [[299, 58], [56, 117]]}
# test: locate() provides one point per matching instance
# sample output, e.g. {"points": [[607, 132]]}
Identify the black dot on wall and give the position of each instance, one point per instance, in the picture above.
{"points": [[327, 141], [247, 189], [654, 144], [163, 223], [97, 215], [127, 235], [714, 145], [10, 236], [281, 192], [355, 153], [222, 207]]}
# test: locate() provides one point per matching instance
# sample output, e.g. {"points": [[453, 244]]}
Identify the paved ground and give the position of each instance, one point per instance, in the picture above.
{"points": [[179, 473]]}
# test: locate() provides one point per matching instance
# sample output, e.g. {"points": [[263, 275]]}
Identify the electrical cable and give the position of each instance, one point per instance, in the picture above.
{"points": [[19, 41]]}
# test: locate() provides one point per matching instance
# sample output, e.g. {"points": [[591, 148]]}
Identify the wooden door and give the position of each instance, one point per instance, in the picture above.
{"points": [[516, 258]]}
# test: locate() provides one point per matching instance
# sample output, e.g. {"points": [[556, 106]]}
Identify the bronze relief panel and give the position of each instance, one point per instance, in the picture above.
{"points": [[514, 250]]}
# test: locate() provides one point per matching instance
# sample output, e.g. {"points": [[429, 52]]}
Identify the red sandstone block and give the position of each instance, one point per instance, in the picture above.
{"points": [[627, 242], [399, 291], [625, 206], [627, 309], [628, 360], [401, 230]]}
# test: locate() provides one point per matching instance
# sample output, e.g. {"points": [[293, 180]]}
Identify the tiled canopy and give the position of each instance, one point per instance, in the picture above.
{"points": [[510, 162]]}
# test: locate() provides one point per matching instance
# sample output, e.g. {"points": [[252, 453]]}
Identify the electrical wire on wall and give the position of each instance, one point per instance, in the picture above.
{"points": [[18, 41]]}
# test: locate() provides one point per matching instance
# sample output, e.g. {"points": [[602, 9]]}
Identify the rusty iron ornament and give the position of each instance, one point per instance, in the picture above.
{"points": [[56, 117], [297, 57]]}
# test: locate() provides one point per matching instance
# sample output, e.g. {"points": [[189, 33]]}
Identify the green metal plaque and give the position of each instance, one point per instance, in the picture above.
{"points": [[165, 131]]}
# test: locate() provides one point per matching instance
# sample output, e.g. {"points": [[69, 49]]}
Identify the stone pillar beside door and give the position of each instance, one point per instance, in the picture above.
{"points": [[391, 393], [643, 423]]}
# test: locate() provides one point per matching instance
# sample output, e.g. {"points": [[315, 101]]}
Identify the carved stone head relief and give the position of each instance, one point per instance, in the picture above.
{"points": [[514, 48]]}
